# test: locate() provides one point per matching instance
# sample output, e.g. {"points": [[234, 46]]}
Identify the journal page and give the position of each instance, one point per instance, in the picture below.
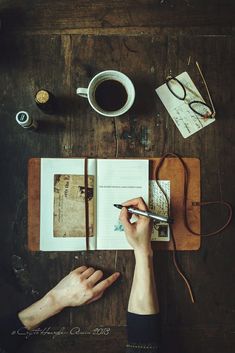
{"points": [[62, 204], [118, 180]]}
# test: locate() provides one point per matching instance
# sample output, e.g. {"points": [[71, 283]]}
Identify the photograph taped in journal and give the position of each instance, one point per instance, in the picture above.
{"points": [[61, 181], [69, 205]]}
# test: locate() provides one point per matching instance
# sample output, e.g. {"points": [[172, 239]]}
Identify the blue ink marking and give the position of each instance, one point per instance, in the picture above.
{"points": [[118, 227]]}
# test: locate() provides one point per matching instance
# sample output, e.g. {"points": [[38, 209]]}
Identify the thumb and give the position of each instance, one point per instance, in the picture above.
{"points": [[124, 219]]}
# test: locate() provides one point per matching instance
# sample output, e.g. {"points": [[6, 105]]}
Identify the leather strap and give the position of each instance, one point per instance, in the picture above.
{"points": [[185, 214], [86, 202]]}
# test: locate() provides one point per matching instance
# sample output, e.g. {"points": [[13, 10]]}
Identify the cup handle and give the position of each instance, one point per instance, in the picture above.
{"points": [[82, 92]]}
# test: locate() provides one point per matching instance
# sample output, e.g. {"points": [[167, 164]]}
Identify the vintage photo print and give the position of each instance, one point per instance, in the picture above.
{"points": [[69, 206]]}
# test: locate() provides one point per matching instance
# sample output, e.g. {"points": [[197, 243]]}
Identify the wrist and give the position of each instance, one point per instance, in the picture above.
{"points": [[144, 252], [56, 305], [38, 312]]}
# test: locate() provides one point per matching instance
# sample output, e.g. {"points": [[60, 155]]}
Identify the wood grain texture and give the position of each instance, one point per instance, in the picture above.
{"points": [[61, 63], [72, 14]]}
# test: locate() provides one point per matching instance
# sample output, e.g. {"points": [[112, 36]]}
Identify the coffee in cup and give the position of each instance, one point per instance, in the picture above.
{"points": [[110, 93]]}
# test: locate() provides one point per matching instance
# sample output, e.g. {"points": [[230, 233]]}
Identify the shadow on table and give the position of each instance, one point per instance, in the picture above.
{"points": [[145, 96]]}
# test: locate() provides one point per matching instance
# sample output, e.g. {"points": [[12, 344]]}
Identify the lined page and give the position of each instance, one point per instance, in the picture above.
{"points": [[118, 180], [61, 201]]}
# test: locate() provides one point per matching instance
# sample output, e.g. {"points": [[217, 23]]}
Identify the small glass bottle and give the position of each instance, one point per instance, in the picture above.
{"points": [[45, 101], [26, 121]]}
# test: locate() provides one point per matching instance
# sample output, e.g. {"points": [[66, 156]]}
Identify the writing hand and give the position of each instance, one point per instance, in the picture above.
{"points": [[138, 233]]}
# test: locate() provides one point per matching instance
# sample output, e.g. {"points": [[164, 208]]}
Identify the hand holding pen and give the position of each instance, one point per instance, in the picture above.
{"points": [[138, 233], [146, 213]]}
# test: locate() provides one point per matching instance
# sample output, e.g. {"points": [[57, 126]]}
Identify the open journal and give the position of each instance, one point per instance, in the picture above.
{"points": [[110, 181]]}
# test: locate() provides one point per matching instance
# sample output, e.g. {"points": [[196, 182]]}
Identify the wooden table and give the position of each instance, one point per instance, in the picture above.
{"points": [[62, 45]]}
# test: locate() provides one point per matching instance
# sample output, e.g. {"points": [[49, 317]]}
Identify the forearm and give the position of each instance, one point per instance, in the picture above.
{"points": [[38, 312], [143, 297], [73, 290]]}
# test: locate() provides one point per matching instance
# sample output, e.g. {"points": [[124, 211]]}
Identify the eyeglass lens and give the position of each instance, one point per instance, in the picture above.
{"points": [[176, 88], [201, 108], [179, 91]]}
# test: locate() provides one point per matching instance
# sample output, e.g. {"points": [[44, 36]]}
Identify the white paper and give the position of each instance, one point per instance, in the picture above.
{"points": [[185, 119], [49, 168], [158, 204], [117, 181]]}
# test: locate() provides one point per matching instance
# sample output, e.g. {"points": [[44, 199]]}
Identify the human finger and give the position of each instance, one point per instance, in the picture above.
{"points": [[125, 219], [86, 274], [95, 277], [103, 285], [80, 269], [137, 202], [95, 298]]}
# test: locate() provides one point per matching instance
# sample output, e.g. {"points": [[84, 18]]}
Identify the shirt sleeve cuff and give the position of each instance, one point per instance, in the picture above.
{"points": [[143, 329]]}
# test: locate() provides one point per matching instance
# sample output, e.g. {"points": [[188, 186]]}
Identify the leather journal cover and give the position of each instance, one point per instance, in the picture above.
{"points": [[170, 170]]}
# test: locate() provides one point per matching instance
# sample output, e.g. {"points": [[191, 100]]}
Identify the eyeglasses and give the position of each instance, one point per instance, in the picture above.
{"points": [[200, 108]]}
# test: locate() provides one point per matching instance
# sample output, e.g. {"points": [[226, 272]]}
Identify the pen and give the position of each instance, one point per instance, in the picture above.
{"points": [[146, 214]]}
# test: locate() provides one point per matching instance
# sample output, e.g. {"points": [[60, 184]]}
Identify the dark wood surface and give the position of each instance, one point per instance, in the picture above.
{"points": [[59, 46], [70, 15]]}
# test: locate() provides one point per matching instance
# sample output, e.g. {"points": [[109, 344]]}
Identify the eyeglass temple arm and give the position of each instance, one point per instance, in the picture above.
{"points": [[207, 89]]}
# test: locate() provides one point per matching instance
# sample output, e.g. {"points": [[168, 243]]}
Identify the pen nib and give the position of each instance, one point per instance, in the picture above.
{"points": [[118, 206]]}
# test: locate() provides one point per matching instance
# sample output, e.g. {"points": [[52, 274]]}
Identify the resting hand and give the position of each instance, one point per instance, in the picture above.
{"points": [[80, 287]]}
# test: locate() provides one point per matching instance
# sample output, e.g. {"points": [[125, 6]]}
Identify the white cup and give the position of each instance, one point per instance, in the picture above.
{"points": [[89, 92]]}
